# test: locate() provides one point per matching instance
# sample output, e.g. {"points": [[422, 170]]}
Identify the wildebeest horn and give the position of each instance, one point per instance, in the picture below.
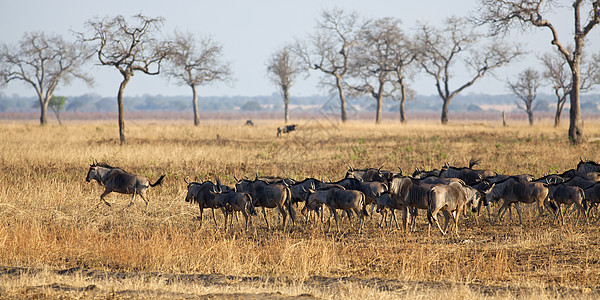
{"points": [[350, 168], [379, 170], [186, 179], [312, 185], [256, 176], [218, 181], [446, 164], [401, 171], [235, 178]]}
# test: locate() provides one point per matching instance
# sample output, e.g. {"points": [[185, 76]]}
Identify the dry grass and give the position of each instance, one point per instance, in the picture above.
{"points": [[49, 218]]}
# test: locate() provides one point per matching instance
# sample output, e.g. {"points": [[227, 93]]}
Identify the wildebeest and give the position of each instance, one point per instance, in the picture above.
{"points": [[117, 180], [232, 202], [567, 195], [286, 129], [420, 174], [347, 200], [513, 190], [368, 174], [203, 193], [385, 202], [587, 166], [267, 195], [410, 193], [450, 199]]}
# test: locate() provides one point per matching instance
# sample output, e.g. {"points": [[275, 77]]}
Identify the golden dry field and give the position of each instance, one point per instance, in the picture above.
{"points": [[57, 241]]}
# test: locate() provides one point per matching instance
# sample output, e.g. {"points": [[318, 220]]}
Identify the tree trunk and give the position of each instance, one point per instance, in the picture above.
{"points": [[338, 83], [402, 102], [44, 113], [195, 105], [530, 115], [557, 115], [378, 114], [120, 108], [286, 103], [576, 123], [445, 110]]}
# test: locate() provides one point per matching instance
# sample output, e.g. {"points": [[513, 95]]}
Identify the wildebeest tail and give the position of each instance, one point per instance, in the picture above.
{"points": [[159, 181], [582, 195], [250, 205], [364, 206], [288, 202], [430, 195]]}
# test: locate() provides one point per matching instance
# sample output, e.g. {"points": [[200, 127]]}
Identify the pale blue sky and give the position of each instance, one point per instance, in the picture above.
{"points": [[250, 32]]}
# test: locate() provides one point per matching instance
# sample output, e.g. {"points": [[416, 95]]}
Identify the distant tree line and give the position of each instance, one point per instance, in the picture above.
{"points": [[355, 57]]}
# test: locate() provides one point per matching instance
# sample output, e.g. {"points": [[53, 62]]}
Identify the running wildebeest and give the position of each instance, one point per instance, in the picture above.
{"points": [[513, 190], [450, 199], [286, 129], [117, 180]]}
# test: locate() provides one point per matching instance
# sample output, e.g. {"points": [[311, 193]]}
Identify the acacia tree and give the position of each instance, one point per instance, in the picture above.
{"points": [[283, 69], [503, 15], [331, 49], [56, 104], [378, 66], [526, 89], [442, 47], [191, 63], [558, 75], [128, 48], [43, 61]]}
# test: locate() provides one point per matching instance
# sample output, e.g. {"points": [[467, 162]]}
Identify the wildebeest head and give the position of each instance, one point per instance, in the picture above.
{"points": [[92, 173], [192, 190]]}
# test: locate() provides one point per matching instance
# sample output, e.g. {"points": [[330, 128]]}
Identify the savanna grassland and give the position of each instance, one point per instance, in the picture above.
{"points": [[57, 241]]}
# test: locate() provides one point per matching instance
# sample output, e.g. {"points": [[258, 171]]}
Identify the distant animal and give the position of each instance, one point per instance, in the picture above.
{"points": [[117, 180], [249, 123], [286, 129]]}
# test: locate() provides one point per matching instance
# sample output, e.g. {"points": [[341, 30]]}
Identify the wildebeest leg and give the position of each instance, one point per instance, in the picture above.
{"points": [[519, 213], [335, 216], [246, 218], [502, 210], [405, 217], [434, 217], [213, 215], [455, 215], [106, 192], [394, 217], [283, 214], [226, 214], [265, 215], [144, 197], [132, 197]]}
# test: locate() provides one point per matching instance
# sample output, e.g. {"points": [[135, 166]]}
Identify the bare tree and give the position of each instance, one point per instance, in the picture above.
{"points": [[128, 48], [194, 64], [558, 75], [283, 68], [526, 89], [502, 15], [43, 61], [378, 66], [442, 47], [331, 48]]}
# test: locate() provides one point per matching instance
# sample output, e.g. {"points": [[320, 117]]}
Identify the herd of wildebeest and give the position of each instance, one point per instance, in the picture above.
{"points": [[449, 191]]}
